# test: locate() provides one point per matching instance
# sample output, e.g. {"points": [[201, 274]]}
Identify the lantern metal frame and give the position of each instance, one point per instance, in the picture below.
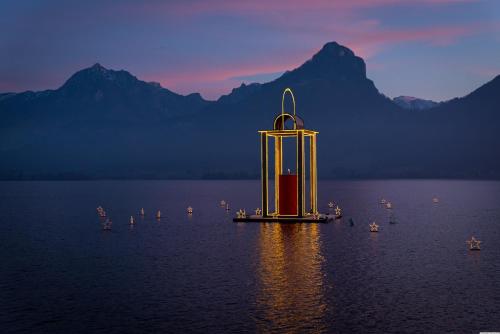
{"points": [[300, 134], [278, 133]]}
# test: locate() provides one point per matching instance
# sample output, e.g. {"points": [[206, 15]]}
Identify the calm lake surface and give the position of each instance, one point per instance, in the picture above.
{"points": [[61, 273]]}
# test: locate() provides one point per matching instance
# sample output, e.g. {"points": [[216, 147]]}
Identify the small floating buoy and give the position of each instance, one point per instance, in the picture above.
{"points": [[227, 207], [189, 210], [373, 227], [474, 244], [132, 220], [435, 200], [388, 205], [158, 215], [142, 212], [223, 203]]}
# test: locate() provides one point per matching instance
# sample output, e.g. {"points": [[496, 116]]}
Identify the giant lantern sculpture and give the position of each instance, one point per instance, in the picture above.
{"points": [[290, 192]]}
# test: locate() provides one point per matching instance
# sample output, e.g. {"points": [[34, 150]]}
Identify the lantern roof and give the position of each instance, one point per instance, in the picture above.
{"points": [[279, 128]]}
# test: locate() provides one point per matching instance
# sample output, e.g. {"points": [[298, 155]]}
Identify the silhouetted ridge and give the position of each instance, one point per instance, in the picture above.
{"points": [[96, 77], [333, 62], [241, 93], [489, 90], [107, 123]]}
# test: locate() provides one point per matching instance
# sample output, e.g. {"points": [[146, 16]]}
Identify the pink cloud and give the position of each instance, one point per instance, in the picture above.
{"points": [[277, 6], [217, 80], [308, 23], [365, 42], [368, 43], [334, 20], [265, 8]]}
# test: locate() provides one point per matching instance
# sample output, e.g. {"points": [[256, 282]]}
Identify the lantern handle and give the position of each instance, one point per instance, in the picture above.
{"points": [[287, 90]]}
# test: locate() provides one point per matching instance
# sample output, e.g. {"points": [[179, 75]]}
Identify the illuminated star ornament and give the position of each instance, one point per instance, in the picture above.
{"points": [[474, 244], [373, 227], [258, 211], [241, 213], [331, 205], [338, 211]]}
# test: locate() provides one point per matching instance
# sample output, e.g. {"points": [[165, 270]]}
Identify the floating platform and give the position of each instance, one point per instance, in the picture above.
{"points": [[287, 220]]}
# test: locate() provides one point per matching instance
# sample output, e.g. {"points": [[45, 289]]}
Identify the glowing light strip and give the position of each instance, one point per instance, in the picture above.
{"points": [[287, 90], [300, 136], [287, 133]]}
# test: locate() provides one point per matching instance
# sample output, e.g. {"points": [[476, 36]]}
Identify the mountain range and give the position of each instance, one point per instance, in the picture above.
{"points": [[103, 123]]}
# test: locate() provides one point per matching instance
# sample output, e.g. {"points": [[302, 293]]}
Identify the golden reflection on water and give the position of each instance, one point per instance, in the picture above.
{"points": [[291, 295]]}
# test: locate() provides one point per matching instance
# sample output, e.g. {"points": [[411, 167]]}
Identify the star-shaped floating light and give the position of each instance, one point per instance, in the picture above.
{"points": [[241, 213], [388, 205], [258, 211], [474, 244], [373, 227], [189, 210], [338, 211], [223, 203], [331, 205]]}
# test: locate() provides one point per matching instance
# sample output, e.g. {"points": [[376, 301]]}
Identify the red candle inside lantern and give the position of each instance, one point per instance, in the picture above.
{"points": [[288, 194]]}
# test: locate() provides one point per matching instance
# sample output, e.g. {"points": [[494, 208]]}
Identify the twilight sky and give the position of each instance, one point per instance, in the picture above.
{"points": [[435, 49]]}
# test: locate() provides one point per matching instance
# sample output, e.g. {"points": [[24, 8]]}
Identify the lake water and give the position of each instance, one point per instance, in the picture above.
{"points": [[61, 273]]}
